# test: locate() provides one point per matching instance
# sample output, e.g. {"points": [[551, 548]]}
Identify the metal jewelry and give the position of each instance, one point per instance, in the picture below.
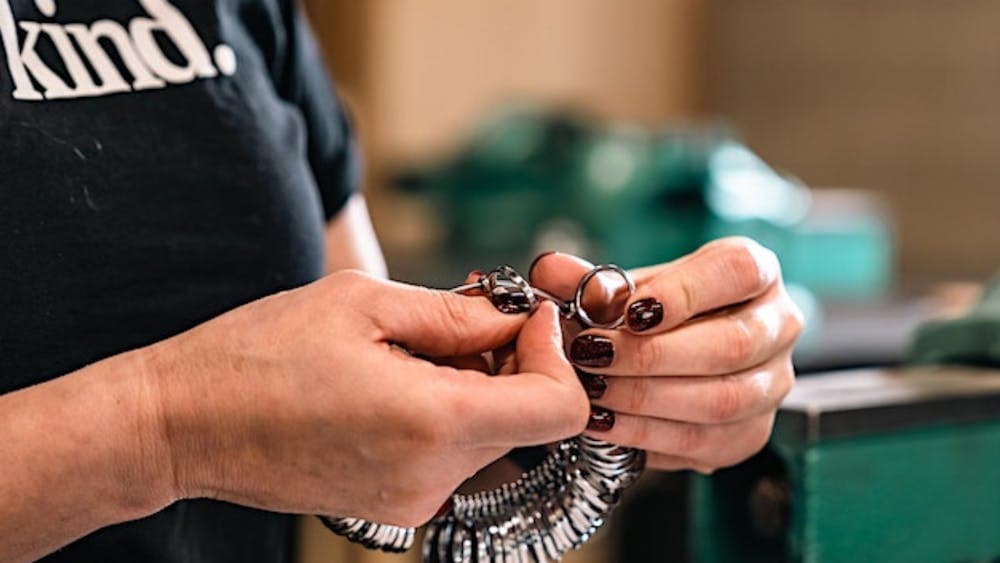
{"points": [[550, 509]]}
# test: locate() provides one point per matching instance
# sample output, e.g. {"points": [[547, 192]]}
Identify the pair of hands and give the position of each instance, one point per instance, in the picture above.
{"points": [[303, 401]]}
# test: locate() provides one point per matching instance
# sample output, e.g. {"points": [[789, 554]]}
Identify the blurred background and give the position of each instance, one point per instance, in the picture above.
{"points": [[858, 139], [894, 97]]}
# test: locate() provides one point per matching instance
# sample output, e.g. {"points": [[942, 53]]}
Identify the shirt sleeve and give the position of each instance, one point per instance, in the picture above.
{"points": [[301, 78]]}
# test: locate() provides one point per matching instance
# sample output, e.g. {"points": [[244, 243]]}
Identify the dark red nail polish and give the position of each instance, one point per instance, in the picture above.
{"points": [[640, 464], [601, 420], [595, 385], [444, 508], [592, 351], [537, 259], [644, 314]]}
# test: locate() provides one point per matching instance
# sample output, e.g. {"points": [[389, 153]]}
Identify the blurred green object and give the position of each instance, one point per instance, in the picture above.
{"points": [[866, 465], [873, 465], [970, 340], [529, 180]]}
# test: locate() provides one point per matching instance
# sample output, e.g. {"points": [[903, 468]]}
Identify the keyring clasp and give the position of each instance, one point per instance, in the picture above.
{"points": [[510, 292], [581, 312]]}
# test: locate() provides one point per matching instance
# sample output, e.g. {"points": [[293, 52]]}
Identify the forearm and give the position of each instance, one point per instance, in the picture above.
{"points": [[79, 453], [351, 243], [89, 449]]}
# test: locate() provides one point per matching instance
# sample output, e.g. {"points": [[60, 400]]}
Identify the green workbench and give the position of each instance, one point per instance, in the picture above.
{"points": [[867, 465]]}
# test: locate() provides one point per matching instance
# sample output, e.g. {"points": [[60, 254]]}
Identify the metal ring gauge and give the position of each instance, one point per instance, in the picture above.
{"points": [[552, 508]]}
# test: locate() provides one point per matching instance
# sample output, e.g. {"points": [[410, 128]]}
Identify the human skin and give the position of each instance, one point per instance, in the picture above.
{"points": [[698, 371], [300, 402]]}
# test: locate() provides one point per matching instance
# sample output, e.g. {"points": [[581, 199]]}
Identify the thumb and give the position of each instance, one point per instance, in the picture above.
{"points": [[540, 346], [439, 323], [542, 403]]}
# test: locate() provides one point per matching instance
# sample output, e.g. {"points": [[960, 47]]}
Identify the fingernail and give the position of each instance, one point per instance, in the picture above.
{"points": [[601, 420], [640, 463], [475, 274], [595, 385], [592, 351], [537, 259], [444, 508], [644, 314]]}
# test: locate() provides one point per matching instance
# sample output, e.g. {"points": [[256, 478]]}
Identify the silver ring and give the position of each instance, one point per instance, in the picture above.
{"points": [[578, 300], [493, 279], [553, 507]]}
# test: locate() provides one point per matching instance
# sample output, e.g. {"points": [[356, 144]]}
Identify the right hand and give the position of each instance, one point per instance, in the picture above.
{"points": [[301, 402]]}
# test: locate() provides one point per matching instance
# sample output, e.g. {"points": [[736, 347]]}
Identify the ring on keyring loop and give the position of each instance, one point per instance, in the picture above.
{"points": [[578, 299], [493, 280]]}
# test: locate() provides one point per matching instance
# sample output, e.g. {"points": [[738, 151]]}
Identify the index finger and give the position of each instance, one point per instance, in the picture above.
{"points": [[604, 296], [721, 273]]}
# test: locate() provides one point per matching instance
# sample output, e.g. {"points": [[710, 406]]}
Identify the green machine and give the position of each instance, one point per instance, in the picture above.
{"points": [[873, 465], [529, 179]]}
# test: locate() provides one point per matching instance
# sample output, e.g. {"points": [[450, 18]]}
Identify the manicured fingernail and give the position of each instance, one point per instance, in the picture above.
{"points": [[595, 385], [537, 259], [592, 351], [644, 314], [475, 274], [444, 508], [640, 463], [601, 420]]}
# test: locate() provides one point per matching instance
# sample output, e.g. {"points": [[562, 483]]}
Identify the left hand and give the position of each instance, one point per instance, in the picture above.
{"points": [[697, 374]]}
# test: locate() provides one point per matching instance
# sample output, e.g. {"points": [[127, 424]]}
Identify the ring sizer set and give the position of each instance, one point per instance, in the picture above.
{"points": [[554, 507]]}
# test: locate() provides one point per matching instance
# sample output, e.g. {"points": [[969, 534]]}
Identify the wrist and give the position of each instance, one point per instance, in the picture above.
{"points": [[104, 443], [184, 376], [85, 454], [146, 471]]}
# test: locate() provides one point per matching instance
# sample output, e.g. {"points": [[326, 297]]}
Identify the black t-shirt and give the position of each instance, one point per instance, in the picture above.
{"points": [[161, 161]]}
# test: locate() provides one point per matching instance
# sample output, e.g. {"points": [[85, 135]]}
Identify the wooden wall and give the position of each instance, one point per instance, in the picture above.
{"points": [[421, 72], [900, 96]]}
